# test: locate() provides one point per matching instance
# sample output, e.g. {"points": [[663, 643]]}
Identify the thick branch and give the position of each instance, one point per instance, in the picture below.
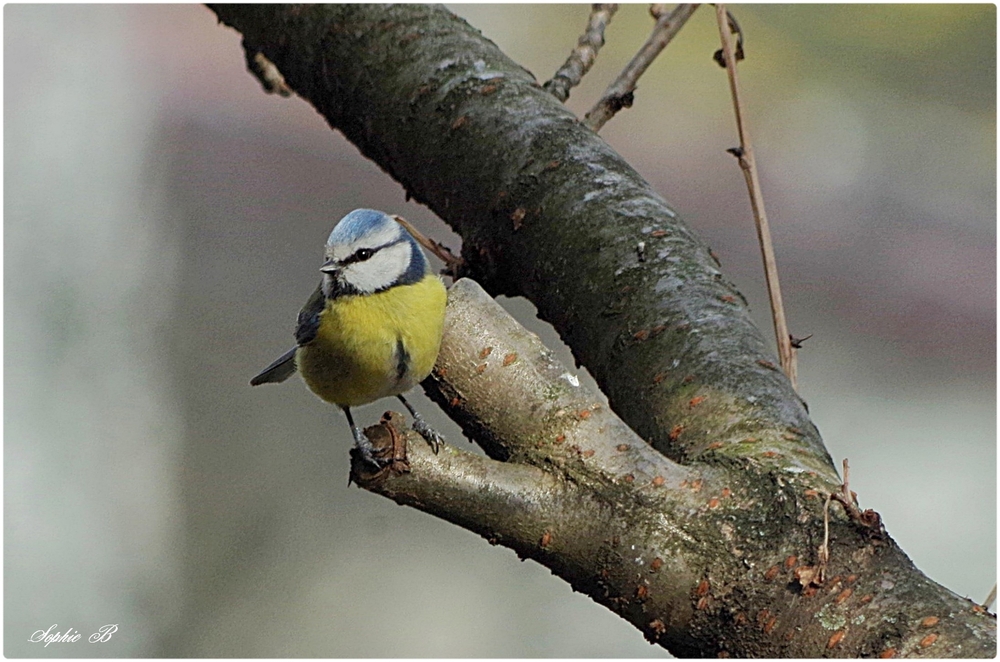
{"points": [[602, 541], [513, 503], [497, 380]]}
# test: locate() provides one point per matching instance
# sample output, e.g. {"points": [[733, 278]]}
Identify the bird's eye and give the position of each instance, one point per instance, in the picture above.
{"points": [[363, 254]]}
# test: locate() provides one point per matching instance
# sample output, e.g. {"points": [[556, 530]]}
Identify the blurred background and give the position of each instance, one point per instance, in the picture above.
{"points": [[164, 222]]}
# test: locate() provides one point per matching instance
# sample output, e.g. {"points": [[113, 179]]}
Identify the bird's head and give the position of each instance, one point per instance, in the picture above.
{"points": [[368, 252]]}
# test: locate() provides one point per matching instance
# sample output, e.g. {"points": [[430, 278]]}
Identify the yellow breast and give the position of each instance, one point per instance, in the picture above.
{"points": [[356, 358]]}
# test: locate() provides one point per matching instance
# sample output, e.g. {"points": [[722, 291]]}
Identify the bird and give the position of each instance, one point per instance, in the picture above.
{"points": [[372, 328]]}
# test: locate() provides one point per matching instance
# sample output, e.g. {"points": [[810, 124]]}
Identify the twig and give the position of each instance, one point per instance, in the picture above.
{"points": [[452, 264], [786, 353], [988, 602], [582, 58], [824, 549], [620, 93], [734, 28], [797, 342], [267, 73], [847, 498]]}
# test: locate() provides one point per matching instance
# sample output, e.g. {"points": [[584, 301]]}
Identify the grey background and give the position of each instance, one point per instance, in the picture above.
{"points": [[164, 222]]}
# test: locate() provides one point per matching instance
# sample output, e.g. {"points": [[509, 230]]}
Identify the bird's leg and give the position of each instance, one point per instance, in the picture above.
{"points": [[430, 435], [362, 443]]}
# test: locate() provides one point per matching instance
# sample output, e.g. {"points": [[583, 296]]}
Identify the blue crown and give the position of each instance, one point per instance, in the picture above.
{"points": [[358, 223]]}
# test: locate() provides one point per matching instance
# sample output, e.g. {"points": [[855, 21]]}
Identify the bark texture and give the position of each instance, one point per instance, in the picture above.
{"points": [[733, 519]]}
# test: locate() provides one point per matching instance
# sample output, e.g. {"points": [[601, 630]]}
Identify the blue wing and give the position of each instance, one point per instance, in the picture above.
{"points": [[281, 369], [305, 332], [308, 325]]}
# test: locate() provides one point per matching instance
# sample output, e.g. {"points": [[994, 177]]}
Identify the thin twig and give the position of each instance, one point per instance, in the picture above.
{"points": [[620, 93], [452, 264], [847, 498], [582, 58], [734, 28], [797, 342], [786, 353], [824, 549], [988, 602]]}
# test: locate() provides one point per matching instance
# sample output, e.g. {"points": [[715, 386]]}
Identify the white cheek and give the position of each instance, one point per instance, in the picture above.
{"points": [[382, 270]]}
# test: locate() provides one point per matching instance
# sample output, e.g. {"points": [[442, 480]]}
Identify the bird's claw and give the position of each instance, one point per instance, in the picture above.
{"points": [[367, 451], [430, 435], [369, 458]]}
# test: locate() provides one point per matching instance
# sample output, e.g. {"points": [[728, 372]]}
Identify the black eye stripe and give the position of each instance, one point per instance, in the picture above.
{"points": [[363, 254]]}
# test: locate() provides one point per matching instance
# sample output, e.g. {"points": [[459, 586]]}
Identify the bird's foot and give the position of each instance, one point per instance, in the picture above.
{"points": [[430, 435], [364, 446]]}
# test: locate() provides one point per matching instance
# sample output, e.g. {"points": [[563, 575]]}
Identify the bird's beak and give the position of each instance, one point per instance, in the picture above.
{"points": [[329, 267]]}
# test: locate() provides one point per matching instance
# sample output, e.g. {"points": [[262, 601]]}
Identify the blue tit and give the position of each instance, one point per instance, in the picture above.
{"points": [[372, 329]]}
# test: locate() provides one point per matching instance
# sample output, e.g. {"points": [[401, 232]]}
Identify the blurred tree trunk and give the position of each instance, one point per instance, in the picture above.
{"points": [[711, 546]]}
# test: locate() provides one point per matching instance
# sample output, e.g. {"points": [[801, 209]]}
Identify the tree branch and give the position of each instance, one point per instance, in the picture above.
{"points": [[582, 58], [748, 164], [692, 556], [547, 210], [619, 93]]}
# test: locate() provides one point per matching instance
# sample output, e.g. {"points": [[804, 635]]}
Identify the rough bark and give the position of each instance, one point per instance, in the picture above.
{"points": [[548, 210]]}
